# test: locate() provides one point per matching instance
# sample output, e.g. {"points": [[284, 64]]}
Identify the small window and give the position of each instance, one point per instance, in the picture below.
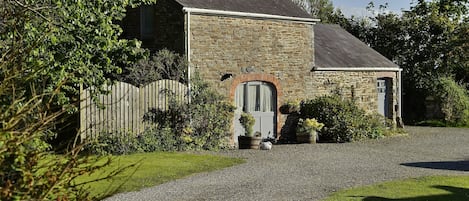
{"points": [[147, 21], [381, 86], [255, 97]]}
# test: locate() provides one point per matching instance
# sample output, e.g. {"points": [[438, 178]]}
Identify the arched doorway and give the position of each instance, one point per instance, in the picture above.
{"points": [[260, 99]]}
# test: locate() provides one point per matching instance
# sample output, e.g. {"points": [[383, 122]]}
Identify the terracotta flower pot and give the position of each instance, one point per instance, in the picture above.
{"points": [[246, 142], [306, 138]]}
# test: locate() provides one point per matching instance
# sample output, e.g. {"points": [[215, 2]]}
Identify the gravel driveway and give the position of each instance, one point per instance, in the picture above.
{"points": [[311, 172]]}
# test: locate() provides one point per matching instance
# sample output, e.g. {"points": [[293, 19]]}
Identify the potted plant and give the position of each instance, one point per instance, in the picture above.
{"points": [[249, 140], [306, 130], [291, 106]]}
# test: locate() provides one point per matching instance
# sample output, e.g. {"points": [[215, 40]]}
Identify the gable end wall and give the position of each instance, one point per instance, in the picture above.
{"points": [[253, 48], [235, 45]]}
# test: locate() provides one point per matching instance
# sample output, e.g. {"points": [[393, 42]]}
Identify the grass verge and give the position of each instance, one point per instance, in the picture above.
{"points": [[150, 169], [435, 188]]}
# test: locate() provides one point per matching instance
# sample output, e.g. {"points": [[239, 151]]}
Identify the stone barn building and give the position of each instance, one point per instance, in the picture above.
{"points": [[262, 53]]}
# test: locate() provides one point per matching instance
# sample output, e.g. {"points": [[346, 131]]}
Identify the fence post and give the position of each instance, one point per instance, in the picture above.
{"points": [[82, 107], [141, 109]]}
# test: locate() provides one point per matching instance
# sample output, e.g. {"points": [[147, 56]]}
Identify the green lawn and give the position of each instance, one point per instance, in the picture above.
{"points": [[436, 188], [152, 169]]}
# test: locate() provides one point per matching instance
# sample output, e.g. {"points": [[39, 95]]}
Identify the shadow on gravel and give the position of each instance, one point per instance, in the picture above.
{"points": [[455, 194], [443, 165]]}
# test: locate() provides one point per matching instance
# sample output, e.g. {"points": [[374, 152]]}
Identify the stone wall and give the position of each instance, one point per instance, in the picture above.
{"points": [[238, 46], [360, 86], [228, 50], [248, 49]]}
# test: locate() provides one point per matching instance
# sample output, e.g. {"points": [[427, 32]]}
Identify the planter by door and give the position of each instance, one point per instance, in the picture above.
{"points": [[249, 142], [306, 138]]}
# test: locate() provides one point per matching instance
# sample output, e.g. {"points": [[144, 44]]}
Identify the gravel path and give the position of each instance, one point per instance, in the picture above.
{"points": [[311, 172]]}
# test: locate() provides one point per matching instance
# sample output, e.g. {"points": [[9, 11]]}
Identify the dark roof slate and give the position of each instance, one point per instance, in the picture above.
{"points": [[337, 48], [270, 7]]}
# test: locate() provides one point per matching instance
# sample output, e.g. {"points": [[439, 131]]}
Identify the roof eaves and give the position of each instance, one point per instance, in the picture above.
{"points": [[392, 69], [253, 15]]}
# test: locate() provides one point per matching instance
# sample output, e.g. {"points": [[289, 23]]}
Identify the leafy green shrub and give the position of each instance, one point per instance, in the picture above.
{"points": [[202, 124], [454, 101], [344, 120], [211, 124], [156, 139], [209, 116], [122, 143], [48, 50], [113, 143]]}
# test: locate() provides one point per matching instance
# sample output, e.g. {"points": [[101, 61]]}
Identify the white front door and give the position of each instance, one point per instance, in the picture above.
{"points": [[259, 99], [383, 99]]}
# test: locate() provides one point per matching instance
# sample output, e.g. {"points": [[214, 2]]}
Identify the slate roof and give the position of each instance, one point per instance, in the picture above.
{"points": [[270, 7], [336, 48]]}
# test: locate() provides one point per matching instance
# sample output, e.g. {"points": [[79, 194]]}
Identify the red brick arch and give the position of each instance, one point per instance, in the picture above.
{"points": [[256, 77], [239, 79]]}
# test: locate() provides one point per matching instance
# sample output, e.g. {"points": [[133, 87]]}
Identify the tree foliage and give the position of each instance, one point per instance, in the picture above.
{"points": [[164, 64], [429, 41], [323, 10], [454, 101], [47, 50]]}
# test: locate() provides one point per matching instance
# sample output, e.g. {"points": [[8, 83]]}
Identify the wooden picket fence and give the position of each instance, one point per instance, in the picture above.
{"points": [[124, 107]]}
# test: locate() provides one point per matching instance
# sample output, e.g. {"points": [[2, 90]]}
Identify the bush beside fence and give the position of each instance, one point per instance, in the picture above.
{"points": [[123, 109]]}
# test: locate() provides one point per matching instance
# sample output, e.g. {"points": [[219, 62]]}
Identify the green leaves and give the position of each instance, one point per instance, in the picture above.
{"points": [[429, 41], [343, 120], [454, 100], [47, 50]]}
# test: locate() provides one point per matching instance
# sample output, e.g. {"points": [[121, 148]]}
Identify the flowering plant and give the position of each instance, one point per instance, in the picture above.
{"points": [[247, 121], [295, 103], [290, 106], [308, 126]]}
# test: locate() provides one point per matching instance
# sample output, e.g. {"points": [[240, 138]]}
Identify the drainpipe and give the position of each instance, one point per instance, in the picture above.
{"points": [[188, 52], [399, 91]]}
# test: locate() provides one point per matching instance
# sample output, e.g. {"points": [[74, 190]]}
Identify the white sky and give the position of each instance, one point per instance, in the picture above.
{"points": [[358, 7]]}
